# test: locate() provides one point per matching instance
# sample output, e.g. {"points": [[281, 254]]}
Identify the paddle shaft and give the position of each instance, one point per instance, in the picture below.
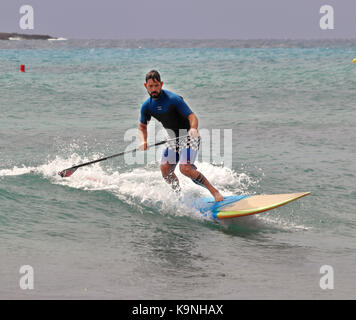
{"points": [[72, 169], [117, 155]]}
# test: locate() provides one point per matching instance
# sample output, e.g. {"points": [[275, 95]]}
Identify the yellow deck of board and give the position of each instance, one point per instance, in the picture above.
{"points": [[257, 204]]}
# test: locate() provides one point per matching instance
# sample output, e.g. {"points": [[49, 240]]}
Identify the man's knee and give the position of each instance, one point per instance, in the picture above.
{"points": [[186, 169], [167, 169]]}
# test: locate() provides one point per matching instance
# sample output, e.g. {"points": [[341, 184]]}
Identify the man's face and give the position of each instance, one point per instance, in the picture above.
{"points": [[154, 88]]}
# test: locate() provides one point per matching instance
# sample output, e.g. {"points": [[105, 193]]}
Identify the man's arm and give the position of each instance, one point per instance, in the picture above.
{"points": [[185, 111], [142, 135], [145, 117], [193, 121]]}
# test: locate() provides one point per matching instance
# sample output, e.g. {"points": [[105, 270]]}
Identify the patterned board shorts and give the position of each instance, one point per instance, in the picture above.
{"points": [[184, 150]]}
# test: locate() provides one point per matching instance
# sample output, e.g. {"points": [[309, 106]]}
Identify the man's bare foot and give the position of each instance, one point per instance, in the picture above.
{"points": [[217, 196]]}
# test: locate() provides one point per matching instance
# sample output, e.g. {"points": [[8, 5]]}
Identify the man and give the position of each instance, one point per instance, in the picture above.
{"points": [[175, 116]]}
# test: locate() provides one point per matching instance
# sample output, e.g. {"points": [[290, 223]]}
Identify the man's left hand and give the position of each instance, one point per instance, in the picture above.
{"points": [[193, 133]]}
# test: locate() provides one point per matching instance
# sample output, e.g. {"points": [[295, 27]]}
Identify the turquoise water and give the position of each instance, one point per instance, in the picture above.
{"points": [[115, 230]]}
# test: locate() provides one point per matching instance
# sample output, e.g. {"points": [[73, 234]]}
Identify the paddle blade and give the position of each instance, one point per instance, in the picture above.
{"points": [[67, 172]]}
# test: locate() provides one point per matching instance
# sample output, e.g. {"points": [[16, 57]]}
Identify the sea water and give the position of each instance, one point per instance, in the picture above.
{"points": [[115, 230]]}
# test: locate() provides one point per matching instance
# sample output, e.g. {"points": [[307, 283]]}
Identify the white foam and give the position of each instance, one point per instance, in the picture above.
{"points": [[15, 171], [286, 225], [58, 39], [140, 186], [144, 186]]}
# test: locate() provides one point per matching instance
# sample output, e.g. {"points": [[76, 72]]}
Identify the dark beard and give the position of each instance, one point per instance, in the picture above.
{"points": [[156, 96]]}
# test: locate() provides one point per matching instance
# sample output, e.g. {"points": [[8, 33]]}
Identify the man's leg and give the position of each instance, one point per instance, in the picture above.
{"points": [[168, 164], [187, 167], [197, 177]]}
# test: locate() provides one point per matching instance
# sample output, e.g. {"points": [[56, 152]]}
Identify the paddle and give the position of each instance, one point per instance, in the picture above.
{"points": [[68, 172]]}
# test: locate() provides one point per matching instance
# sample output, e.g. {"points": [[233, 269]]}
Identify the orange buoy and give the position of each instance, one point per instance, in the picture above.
{"points": [[22, 68]]}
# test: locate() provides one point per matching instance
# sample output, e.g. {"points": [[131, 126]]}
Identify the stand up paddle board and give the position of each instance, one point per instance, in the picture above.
{"points": [[244, 205]]}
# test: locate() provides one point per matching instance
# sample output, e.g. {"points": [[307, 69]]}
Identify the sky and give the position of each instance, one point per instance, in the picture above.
{"points": [[181, 19]]}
